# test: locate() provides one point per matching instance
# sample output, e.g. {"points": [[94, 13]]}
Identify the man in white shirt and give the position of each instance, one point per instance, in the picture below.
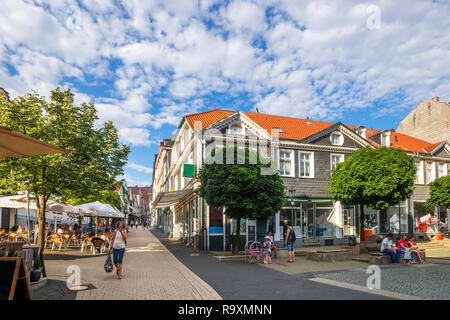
{"points": [[387, 247]]}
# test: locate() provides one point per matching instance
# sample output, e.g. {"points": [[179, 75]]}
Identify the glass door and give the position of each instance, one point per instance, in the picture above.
{"points": [[308, 220]]}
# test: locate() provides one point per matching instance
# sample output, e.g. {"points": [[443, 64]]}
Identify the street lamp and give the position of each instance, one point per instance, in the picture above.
{"points": [[291, 195]]}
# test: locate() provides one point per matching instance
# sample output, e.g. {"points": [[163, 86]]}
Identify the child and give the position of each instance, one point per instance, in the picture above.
{"points": [[267, 246], [407, 255]]}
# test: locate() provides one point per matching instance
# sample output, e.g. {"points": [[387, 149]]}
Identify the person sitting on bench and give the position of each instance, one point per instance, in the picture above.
{"points": [[387, 247]]}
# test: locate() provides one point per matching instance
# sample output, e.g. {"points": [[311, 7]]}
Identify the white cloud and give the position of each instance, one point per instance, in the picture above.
{"points": [[139, 168], [152, 60], [135, 136]]}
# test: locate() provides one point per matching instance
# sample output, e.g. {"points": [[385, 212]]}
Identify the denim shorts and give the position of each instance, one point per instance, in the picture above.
{"points": [[290, 247], [118, 255]]}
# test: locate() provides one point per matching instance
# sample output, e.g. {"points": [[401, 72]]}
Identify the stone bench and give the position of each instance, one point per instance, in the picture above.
{"points": [[379, 258], [330, 255]]}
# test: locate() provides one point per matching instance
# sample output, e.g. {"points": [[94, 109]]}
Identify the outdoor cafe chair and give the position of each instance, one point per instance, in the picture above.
{"points": [[86, 243], [97, 245], [57, 241]]}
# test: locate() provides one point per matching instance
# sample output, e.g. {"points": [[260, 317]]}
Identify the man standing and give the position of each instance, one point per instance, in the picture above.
{"points": [[285, 227]]}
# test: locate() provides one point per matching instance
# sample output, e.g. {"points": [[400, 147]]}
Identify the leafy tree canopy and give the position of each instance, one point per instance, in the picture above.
{"points": [[94, 160], [377, 178], [439, 193], [95, 156], [241, 188]]}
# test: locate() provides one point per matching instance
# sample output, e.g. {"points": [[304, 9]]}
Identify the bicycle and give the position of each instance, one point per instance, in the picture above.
{"points": [[254, 251]]}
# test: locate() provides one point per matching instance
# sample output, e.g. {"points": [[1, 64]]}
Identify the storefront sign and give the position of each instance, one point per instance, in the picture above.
{"points": [[215, 230]]}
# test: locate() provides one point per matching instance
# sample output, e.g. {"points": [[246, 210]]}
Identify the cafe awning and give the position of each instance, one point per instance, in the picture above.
{"points": [[14, 144], [167, 199]]}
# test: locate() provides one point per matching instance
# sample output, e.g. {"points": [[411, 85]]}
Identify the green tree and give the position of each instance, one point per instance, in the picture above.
{"points": [[241, 188], [94, 160], [377, 178], [439, 193]]}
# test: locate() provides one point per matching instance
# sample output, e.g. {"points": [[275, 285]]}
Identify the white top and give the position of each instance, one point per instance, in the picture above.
{"points": [[119, 243], [386, 242]]}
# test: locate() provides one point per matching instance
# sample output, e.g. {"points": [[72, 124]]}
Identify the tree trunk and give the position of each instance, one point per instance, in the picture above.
{"points": [[41, 203], [361, 223], [237, 238]]}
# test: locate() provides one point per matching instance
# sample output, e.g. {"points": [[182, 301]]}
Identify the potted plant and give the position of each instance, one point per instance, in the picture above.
{"points": [[12, 253], [35, 274]]}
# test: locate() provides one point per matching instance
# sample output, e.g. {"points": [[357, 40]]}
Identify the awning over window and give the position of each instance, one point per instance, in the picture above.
{"points": [[167, 199]]}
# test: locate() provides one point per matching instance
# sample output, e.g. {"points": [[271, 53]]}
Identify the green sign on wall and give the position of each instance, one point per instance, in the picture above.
{"points": [[188, 170]]}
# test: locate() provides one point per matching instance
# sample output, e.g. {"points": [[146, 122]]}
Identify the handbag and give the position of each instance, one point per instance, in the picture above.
{"points": [[108, 264]]}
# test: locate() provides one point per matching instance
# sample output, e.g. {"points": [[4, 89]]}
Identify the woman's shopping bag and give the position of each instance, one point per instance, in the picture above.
{"points": [[108, 264]]}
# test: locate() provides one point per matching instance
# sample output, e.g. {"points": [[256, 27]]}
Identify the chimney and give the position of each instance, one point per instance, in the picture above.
{"points": [[435, 99]]}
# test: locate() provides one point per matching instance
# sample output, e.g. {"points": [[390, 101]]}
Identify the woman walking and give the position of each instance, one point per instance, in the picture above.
{"points": [[119, 241]]}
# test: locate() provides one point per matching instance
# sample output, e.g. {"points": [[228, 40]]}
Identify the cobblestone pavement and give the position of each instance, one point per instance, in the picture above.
{"points": [[428, 281], [238, 280], [150, 271]]}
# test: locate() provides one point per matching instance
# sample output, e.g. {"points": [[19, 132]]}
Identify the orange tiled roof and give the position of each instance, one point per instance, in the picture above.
{"points": [[297, 129], [408, 143], [207, 118], [294, 128]]}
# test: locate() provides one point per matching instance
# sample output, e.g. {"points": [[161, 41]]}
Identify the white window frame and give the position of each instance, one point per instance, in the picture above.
{"points": [[340, 155], [445, 170], [419, 173], [311, 164], [387, 141], [341, 138], [291, 157], [430, 177]]}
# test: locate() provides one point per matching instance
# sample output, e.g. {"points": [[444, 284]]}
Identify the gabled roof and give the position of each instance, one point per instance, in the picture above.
{"points": [[299, 129]]}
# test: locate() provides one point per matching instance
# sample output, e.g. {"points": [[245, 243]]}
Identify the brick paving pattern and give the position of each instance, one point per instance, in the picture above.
{"points": [[429, 281], [150, 271]]}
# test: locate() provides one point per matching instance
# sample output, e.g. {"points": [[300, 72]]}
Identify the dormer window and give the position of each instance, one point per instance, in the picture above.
{"points": [[385, 140], [361, 131], [235, 129], [279, 130], [337, 139]]}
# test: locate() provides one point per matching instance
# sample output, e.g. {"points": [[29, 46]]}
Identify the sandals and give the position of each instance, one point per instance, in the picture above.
{"points": [[119, 277]]}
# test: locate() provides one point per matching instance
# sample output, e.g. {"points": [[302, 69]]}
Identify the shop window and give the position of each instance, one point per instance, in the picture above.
{"points": [[215, 217], [371, 220], [243, 228], [398, 217], [325, 219], [425, 219], [443, 219], [349, 221]]}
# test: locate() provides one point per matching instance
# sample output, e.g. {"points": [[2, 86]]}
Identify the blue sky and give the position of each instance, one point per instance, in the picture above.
{"points": [[147, 63]]}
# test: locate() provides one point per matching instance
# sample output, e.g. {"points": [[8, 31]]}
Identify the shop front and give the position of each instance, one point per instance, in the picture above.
{"points": [[429, 220], [319, 220]]}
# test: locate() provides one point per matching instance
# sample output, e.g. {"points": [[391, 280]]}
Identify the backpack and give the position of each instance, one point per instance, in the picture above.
{"points": [[292, 235], [108, 264]]}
